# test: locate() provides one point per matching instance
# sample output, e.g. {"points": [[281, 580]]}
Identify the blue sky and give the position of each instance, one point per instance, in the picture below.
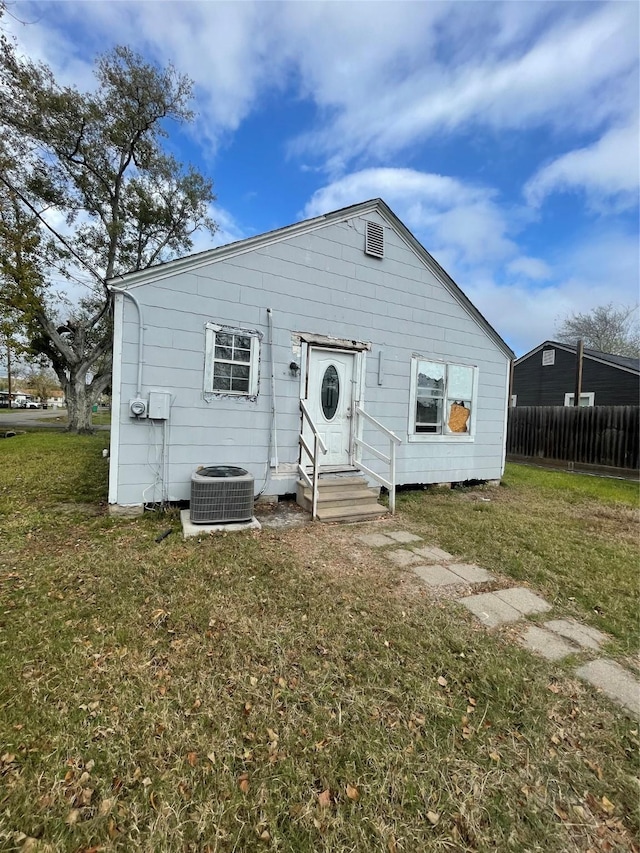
{"points": [[504, 135]]}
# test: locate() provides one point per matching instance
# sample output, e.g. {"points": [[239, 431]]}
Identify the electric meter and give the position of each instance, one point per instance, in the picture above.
{"points": [[138, 408]]}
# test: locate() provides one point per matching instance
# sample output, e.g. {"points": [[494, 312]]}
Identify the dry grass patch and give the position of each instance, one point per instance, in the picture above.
{"points": [[275, 691]]}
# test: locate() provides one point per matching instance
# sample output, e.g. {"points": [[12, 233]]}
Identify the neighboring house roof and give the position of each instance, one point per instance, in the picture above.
{"points": [[630, 365], [32, 392], [190, 262]]}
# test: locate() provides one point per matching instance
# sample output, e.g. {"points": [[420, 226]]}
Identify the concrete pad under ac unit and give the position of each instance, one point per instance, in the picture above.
{"points": [[190, 529]]}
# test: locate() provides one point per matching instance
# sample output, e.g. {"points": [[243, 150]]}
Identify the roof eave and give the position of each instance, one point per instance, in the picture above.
{"points": [[570, 348], [136, 278]]}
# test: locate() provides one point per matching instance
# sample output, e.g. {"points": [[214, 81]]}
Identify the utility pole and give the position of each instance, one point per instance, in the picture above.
{"points": [[578, 390]]}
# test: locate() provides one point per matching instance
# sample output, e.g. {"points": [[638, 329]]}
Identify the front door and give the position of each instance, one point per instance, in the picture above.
{"points": [[330, 395]]}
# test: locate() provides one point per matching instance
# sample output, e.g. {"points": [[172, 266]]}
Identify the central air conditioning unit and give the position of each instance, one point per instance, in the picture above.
{"points": [[221, 493]]}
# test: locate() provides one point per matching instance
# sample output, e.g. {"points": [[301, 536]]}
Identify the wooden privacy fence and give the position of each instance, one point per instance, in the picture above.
{"points": [[593, 435]]}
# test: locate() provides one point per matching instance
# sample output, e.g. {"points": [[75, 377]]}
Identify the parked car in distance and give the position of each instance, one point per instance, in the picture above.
{"points": [[31, 404]]}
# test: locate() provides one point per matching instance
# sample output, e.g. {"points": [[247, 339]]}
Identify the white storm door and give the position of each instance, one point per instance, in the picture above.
{"points": [[330, 401]]}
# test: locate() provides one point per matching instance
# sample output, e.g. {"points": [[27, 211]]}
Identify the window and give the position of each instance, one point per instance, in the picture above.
{"points": [[330, 392], [587, 398], [231, 361], [442, 400]]}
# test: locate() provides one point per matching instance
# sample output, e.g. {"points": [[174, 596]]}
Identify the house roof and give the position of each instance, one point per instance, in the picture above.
{"points": [[631, 365], [191, 262]]}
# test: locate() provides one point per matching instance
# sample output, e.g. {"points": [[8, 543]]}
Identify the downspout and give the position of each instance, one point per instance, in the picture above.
{"points": [[274, 430], [273, 435], [140, 335]]}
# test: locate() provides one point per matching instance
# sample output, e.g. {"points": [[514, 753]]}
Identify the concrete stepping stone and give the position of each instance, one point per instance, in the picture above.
{"points": [[375, 540], [403, 536], [435, 575], [433, 555], [546, 643], [490, 610], [402, 557], [470, 573], [615, 681], [523, 600], [583, 635]]}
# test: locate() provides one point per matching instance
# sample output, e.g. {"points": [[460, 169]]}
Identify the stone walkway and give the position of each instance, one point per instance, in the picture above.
{"points": [[555, 639]]}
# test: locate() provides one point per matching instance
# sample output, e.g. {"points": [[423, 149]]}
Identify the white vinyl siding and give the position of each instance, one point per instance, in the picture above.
{"points": [[321, 283]]}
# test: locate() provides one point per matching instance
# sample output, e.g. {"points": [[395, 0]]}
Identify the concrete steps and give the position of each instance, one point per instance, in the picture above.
{"points": [[342, 499]]}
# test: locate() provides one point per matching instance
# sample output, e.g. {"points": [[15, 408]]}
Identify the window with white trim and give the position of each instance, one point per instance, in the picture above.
{"points": [[587, 398], [231, 361], [443, 399]]}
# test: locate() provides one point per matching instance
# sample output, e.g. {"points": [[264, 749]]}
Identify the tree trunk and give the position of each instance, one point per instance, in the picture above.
{"points": [[9, 377], [79, 403]]}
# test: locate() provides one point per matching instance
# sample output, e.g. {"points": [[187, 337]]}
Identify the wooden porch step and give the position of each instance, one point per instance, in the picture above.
{"points": [[345, 499], [346, 514], [326, 481]]}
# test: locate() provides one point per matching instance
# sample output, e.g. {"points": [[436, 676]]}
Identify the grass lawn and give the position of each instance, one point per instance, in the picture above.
{"points": [[102, 418], [290, 691], [571, 536]]}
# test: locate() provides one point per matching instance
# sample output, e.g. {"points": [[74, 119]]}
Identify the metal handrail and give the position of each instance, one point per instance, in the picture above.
{"points": [[318, 445], [390, 460]]}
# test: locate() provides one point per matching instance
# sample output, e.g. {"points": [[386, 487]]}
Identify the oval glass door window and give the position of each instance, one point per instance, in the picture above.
{"points": [[330, 392]]}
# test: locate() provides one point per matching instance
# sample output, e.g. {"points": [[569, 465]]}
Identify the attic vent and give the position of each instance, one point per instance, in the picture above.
{"points": [[548, 357], [374, 240]]}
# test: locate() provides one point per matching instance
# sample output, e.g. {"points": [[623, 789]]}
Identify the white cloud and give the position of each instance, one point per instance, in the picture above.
{"points": [[608, 170], [229, 230], [47, 44], [383, 76], [573, 76], [454, 219], [464, 227], [534, 269], [601, 268]]}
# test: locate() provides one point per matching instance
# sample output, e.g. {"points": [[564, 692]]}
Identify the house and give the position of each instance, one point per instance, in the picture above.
{"points": [[55, 400], [339, 337], [546, 376]]}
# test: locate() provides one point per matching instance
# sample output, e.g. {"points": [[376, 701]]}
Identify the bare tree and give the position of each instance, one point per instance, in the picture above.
{"points": [[605, 328], [42, 380]]}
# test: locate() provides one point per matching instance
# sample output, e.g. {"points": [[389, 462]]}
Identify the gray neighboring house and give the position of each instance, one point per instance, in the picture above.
{"points": [[347, 312]]}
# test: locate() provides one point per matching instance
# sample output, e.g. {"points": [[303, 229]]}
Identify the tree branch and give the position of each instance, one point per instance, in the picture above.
{"points": [[53, 231]]}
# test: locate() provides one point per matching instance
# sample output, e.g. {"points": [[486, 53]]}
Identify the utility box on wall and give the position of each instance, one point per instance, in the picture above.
{"points": [[159, 405]]}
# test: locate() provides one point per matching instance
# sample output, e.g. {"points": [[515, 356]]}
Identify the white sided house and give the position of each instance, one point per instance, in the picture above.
{"points": [[337, 345]]}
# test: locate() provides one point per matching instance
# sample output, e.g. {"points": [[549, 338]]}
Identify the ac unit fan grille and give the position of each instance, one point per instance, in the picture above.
{"points": [[218, 499]]}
